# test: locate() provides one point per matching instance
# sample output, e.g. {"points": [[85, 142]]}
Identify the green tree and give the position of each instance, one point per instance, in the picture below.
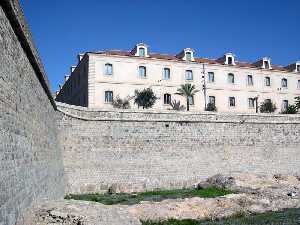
{"points": [[121, 103], [267, 107], [291, 109], [211, 107], [297, 102], [145, 98], [188, 91]]}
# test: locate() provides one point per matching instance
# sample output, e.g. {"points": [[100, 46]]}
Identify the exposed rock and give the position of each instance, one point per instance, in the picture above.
{"points": [[71, 212], [257, 194]]}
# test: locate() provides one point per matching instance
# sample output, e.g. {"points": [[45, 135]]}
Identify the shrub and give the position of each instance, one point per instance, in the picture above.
{"points": [[145, 98], [267, 107], [291, 109], [297, 102], [177, 106], [121, 103], [211, 107]]}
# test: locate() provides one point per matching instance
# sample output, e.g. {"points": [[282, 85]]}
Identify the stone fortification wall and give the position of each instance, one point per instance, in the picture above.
{"points": [[30, 157], [139, 150]]}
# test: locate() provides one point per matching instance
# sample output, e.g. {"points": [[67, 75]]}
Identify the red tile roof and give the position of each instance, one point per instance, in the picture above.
{"points": [[198, 60]]}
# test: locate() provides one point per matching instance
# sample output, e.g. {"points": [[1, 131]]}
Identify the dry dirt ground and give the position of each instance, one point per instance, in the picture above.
{"points": [[255, 194]]}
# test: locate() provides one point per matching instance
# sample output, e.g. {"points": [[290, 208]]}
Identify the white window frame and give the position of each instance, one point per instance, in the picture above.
{"points": [[106, 70], [166, 69], [251, 78], [230, 75], [267, 78], [145, 72], [167, 98], [234, 100], [211, 74], [284, 85], [107, 98], [190, 72]]}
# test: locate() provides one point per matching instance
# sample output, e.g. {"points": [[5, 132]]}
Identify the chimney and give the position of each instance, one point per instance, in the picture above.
{"points": [[80, 56], [67, 77], [72, 68]]}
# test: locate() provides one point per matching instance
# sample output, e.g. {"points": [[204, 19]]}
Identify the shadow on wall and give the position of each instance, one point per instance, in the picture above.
{"points": [[31, 166]]}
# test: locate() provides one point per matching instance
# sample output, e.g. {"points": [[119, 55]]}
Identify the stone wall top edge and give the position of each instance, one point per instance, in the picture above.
{"points": [[149, 112], [16, 17]]}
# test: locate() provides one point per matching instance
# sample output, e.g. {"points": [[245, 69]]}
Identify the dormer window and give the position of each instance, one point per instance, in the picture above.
{"points": [[266, 64], [298, 68], [229, 59], [141, 52], [188, 56]]}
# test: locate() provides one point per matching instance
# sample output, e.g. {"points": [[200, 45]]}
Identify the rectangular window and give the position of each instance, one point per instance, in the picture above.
{"points": [[166, 74], [298, 68], [232, 101], [109, 96], [142, 72], [167, 99], [298, 85], [142, 52], [108, 69], [230, 61], [285, 104], [267, 81], [189, 75], [212, 100], [251, 102], [211, 77], [284, 83], [191, 100], [231, 78], [249, 80]]}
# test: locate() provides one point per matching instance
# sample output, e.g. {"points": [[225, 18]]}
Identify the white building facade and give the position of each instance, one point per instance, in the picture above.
{"points": [[231, 85]]}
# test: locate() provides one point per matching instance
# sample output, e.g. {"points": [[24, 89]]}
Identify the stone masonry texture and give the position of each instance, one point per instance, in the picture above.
{"points": [[135, 151], [30, 156]]}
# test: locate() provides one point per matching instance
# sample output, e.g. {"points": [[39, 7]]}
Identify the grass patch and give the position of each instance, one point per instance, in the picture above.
{"points": [[285, 217], [130, 199]]}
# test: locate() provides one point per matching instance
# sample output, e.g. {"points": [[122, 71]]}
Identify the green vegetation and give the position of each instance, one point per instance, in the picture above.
{"points": [[176, 105], [267, 107], [145, 98], [285, 217], [291, 109], [211, 107], [188, 91], [130, 199], [121, 103]]}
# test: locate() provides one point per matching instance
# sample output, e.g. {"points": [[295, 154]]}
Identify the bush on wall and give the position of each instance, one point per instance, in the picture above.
{"points": [[211, 107], [121, 103], [267, 107], [291, 109], [176, 105], [145, 98]]}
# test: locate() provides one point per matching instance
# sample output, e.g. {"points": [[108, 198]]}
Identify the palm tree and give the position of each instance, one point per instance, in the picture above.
{"points": [[187, 90]]}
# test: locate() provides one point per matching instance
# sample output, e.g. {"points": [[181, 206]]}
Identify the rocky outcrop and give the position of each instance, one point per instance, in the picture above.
{"points": [[255, 194], [71, 212]]}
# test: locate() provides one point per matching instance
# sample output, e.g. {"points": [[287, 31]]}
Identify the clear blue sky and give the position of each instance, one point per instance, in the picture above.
{"points": [[250, 29]]}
